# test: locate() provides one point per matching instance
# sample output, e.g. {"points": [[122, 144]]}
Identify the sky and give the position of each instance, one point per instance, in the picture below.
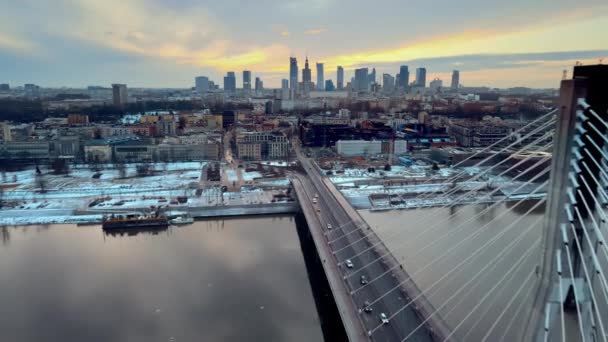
{"points": [[166, 43]]}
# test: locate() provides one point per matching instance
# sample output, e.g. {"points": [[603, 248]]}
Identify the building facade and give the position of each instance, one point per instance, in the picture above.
{"points": [[201, 84], [320, 76], [119, 95], [358, 148], [421, 77], [246, 80], [293, 73]]}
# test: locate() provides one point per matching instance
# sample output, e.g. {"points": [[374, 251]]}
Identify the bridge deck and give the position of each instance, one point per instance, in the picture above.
{"points": [[346, 307]]}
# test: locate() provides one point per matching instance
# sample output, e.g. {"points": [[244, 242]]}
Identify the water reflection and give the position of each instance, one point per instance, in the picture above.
{"points": [[231, 280], [433, 242], [135, 231]]}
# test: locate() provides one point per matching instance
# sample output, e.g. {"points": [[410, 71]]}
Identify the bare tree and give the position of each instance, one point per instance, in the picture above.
{"points": [[122, 169], [41, 182]]}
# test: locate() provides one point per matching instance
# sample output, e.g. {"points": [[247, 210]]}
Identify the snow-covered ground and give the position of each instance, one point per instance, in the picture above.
{"points": [[103, 188], [250, 176], [351, 182]]}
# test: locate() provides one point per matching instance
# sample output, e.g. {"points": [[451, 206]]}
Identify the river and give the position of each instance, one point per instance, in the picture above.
{"points": [[239, 279], [438, 248]]}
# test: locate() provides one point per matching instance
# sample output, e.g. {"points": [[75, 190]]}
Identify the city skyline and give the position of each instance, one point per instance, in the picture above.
{"points": [[505, 45]]}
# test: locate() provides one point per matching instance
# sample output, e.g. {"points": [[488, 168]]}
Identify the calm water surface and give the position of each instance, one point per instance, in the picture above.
{"points": [[232, 280], [433, 244]]}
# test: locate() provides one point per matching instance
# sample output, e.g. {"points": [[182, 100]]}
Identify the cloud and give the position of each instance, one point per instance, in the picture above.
{"points": [[17, 44], [315, 31], [285, 33]]}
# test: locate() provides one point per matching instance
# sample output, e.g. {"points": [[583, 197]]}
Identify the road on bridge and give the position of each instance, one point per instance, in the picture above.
{"points": [[348, 244]]}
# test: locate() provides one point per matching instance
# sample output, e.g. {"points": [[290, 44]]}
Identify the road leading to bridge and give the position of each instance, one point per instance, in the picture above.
{"points": [[351, 238]]}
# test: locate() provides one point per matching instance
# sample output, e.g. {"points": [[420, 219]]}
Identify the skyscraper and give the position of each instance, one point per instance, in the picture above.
{"points": [[436, 85], [329, 85], [230, 82], [32, 91], [119, 94], [320, 77], [284, 84], [306, 77], [361, 80], [293, 73], [340, 77], [388, 83], [201, 84], [259, 85], [372, 77], [421, 77], [404, 77], [246, 80], [455, 79]]}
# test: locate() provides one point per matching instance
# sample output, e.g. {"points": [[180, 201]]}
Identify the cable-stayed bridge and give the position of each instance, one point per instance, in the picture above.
{"points": [[525, 269]]}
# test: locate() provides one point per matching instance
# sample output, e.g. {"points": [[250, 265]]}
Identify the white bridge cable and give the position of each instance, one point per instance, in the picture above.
{"points": [[596, 263], [475, 234], [590, 283], [427, 194], [588, 109], [602, 172], [453, 203], [576, 294], [600, 188], [454, 178], [501, 282], [469, 258], [505, 284], [521, 305], [548, 134], [509, 303], [461, 197], [500, 141], [487, 294], [596, 228], [456, 229], [458, 200]]}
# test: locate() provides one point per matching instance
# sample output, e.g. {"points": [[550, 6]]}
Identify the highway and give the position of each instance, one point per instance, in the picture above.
{"points": [[331, 211]]}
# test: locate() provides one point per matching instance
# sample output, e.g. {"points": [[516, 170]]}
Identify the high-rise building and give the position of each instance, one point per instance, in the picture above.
{"points": [[388, 83], [340, 77], [455, 79], [246, 80], [284, 84], [436, 85], [259, 85], [372, 77], [404, 77], [119, 94], [306, 77], [5, 87], [329, 85], [293, 73], [230, 82], [421, 77], [361, 80], [201, 84], [32, 91], [320, 76]]}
